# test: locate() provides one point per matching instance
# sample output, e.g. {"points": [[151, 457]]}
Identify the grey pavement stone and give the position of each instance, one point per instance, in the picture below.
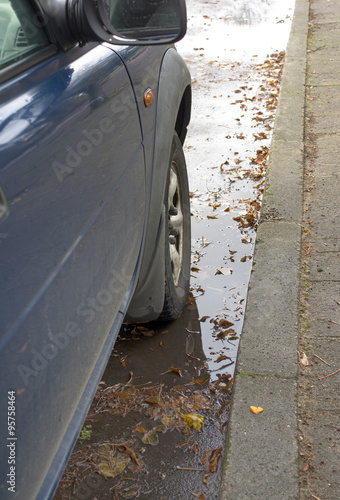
{"points": [[291, 106], [324, 78], [325, 267], [325, 12], [265, 444], [326, 452], [324, 302], [327, 185], [292, 81], [284, 181], [328, 122], [269, 334], [326, 241]]}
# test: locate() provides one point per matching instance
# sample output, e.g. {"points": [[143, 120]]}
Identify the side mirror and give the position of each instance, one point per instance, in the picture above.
{"points": [[128, 22]]}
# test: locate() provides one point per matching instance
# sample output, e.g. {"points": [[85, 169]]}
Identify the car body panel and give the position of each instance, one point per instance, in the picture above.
{"points": [[81, 228], [172, 114], [76, 205]]}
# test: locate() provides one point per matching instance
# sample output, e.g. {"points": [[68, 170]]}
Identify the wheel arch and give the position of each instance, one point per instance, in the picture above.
{"points": [[172, 115]]}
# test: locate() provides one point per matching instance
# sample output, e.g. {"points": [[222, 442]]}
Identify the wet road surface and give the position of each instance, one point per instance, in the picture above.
{"points": [[157, 425]]}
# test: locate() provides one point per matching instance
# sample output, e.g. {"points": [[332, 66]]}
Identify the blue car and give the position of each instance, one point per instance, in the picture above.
{"points": [[94, 209]]}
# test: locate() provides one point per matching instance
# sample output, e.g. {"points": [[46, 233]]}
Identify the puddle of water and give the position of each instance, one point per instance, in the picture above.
{"points": [[224, 44], [237, 29]]}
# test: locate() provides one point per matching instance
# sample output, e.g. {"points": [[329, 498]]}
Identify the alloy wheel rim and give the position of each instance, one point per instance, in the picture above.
{"points": [[176, 224]]}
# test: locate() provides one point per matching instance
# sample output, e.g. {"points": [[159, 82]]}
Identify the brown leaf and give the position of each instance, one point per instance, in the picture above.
{"points": [[224, 323], [172, 369], [153, 400], [192, 358], [195, 269], [129, 452], [204, 318], [201, 381], [303, 359], [204, 458], [139, 428], [224, 333], [150, 437], [221, 358], [213, 463], [194, 447], [182, 444], [226, 271]]}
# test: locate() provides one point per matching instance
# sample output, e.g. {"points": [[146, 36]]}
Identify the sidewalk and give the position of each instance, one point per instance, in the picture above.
{"points": [[292, 449]]}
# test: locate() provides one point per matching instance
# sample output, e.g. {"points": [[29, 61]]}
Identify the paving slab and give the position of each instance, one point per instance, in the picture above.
{"points": [[265, 444], [323, 299], [270, 329]]}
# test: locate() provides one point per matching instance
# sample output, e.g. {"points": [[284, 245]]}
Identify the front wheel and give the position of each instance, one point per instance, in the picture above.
{"points": [[178, 235]]}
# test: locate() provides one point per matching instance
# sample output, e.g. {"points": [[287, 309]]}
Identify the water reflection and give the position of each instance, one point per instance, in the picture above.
{"points": [[247, 12]]}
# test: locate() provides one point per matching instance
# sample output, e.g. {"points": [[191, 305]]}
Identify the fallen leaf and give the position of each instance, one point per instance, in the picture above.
{"points": [[166, 421], [204, 318], [303, 359], [150, 437], [222, 358], [194, 447], [182, 444], [125, 449], [139, 428], [305, 467], [172, 369], [226, 271], [255, 409], [192, 358], [213, 463], [204, 458], [153, 400], [200, 381], [114, 466], [200, 496], [193, 420], [224, 323]]}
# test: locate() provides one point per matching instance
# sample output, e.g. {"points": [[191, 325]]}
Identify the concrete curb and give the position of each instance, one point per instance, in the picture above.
{"points": [[262, 453]]}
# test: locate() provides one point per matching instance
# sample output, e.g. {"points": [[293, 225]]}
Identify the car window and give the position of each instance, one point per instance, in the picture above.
{"points": [[20, 32]]}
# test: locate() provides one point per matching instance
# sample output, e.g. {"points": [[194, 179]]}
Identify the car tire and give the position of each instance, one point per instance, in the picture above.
{"points": [[177, 235]]}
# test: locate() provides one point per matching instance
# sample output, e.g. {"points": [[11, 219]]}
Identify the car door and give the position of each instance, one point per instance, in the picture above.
{"points": [[72, 180]]}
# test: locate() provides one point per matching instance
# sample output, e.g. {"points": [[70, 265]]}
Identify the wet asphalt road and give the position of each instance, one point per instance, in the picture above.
{"points": [[160, 373]]}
